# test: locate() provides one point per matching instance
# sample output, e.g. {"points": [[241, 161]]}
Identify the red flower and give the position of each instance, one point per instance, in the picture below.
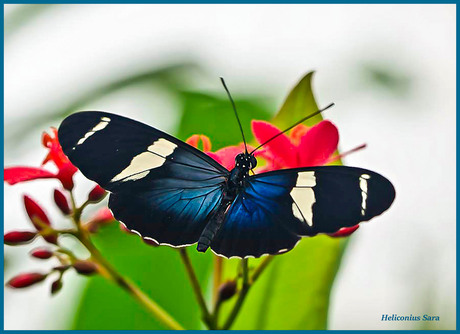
{"points": [[25, 280], [66, 170], [225, 156], [304, 147]]}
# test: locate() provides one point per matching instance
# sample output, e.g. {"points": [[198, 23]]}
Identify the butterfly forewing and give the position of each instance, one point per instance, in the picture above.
{"points": [[160, 187]]}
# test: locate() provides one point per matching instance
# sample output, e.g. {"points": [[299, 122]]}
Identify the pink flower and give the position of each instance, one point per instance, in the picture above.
{"points": [[304, 147], [225, 156]]}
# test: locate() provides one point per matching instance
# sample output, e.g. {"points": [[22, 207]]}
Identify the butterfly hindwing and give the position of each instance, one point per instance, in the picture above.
{"points": [[277, 208], [160, 187]]}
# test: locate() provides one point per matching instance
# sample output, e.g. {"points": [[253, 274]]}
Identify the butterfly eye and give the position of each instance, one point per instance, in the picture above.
{"points": [[252, 161], [239, 158]]}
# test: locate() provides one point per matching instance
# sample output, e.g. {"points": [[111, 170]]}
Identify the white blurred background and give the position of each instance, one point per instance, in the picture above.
{"points": [[390, 69]]}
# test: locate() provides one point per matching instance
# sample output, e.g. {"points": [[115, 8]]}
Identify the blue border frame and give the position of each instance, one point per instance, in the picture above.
{"points": [[205, 2]]}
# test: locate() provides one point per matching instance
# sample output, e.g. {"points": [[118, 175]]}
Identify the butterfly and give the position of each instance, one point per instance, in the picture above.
{"points": [[172, 193]]}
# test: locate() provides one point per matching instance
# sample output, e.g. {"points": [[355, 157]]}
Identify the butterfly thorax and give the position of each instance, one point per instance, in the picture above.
{"points": [[244, 162]]}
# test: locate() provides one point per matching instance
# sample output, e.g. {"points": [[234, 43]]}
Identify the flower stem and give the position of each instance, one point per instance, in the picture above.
{"points": [[261, 267], [217, 279], [196, 288], [241, 296]]}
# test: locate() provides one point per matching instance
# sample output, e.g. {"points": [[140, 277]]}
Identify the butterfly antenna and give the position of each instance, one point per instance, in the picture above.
{"points": [[289, 128], [236, 114]]}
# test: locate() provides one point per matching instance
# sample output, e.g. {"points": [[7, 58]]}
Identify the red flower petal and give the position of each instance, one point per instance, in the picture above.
{"points": [[226, 156], [280, 147], [13, 175], [344, 232], [25, 280], [65, 175], [195, 139], [318, 144], [297, 133]]}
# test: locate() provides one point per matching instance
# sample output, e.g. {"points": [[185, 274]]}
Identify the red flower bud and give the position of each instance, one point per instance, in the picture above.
{"points": [[61, 202], [18, 237], [41, 253], [227, 290], [25, 280], [56, 286], [38, 217], [151, 242], [61, 268], [96, 194], [85, 267], [344, 232], [102, 217], [35, 211], [65, 175]]}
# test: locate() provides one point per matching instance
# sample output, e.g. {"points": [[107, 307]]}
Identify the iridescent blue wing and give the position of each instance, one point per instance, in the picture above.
{"points": [[277, 208], [161, 187]]}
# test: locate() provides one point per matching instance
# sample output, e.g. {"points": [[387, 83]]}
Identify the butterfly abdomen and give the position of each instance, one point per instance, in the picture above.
{"points": [[213, 226]]}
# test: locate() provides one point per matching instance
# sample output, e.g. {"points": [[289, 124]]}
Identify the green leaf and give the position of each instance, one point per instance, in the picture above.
{"points": [[158, 271], [299, 103], [213, 116]]}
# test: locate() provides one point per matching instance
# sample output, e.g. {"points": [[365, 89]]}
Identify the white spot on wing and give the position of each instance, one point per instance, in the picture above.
{"points": [[100, 126], [363, 185], [162, 147], [304, 197], [142, 163]]}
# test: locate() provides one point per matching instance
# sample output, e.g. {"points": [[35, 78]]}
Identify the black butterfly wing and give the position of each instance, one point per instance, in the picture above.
{"points": [[161, 187], [277, 208]]}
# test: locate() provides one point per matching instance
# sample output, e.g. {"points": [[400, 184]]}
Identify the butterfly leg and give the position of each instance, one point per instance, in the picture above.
{"points": [[213, 226]]}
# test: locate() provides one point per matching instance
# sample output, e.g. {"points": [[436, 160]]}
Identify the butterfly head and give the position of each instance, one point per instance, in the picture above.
{"points": [[245, 161]]}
